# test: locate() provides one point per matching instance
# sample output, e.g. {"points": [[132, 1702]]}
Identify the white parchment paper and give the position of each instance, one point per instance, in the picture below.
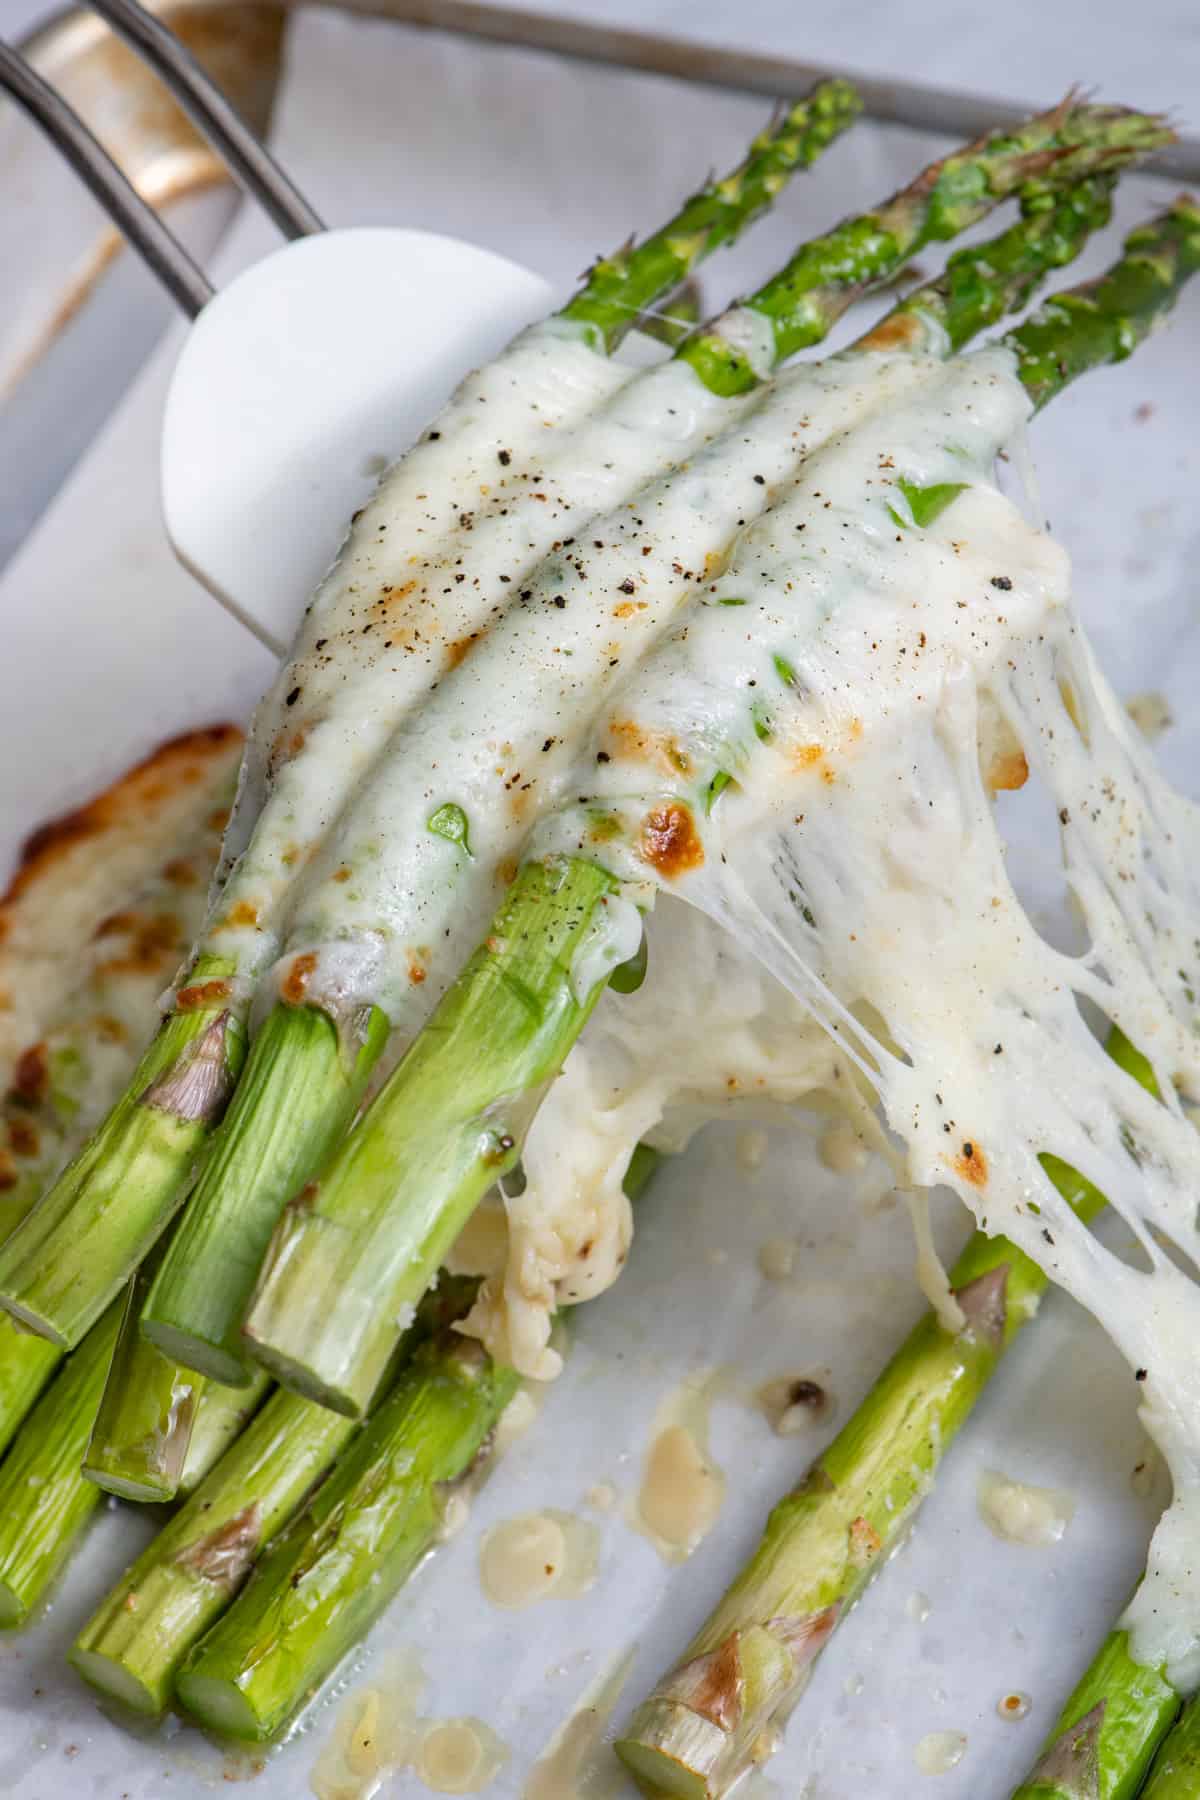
{"points": [[109, 647]]}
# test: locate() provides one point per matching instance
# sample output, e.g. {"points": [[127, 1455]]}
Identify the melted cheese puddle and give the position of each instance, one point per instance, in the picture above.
{"points": [[682, 1490], [529, 1558]]}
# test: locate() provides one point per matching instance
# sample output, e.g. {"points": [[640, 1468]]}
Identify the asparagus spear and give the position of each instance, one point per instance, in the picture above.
{"points": [[135, 1640], [693, 1736], [66, 1080], [1108, 1733], [157, 1420], [114, 1200], [142, 1630], [45, 1500], [357, 1247], [304, 1078], [326, 1579], [339, 1564]]}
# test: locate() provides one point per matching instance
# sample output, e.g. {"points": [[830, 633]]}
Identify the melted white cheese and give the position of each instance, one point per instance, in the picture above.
{"points": [[858, 857], [500, 736]]}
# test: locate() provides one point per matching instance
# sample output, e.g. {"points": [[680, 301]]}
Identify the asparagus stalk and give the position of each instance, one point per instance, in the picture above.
{"points": [[337, 1289], [185, 1578], [136, 1639], [327, 1578], [159, 1427], [45, 1501], [79, 1245], [303, 1086], [356, 1248], [1108, 1733], [621, 286], [116, 1198], [1175, 1774], [143, 1424], [26, 1365], [693, 1736]]}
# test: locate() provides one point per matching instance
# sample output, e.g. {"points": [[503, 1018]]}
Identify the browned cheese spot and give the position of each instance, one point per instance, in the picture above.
{"points": [[23, 1137], [294, 987], [670, 842], [202, 994], [1008, 771], [971, 1164], [631, 739], [31, 1077], [899, 331]]}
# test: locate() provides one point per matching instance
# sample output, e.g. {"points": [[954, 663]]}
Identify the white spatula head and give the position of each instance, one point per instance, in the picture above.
{"points": [[296, 385]]}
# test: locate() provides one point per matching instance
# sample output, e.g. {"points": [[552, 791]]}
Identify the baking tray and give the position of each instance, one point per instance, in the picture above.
{"points": [[957, 1619]]}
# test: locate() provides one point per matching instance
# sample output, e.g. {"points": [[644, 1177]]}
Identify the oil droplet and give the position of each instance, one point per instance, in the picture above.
{"points": [[460, 1756], [575, 1765], [793, 1404], [1013, 1706], [751, 1149], [853, 1686], [777, 1258], [602, 1497], [940, 1751], [1021, 1513], [528, 1558], [918, 1608], [842, 1150]]}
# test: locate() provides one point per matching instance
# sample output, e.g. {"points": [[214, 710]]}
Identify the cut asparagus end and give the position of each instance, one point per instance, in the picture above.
{"points": [[666, 1774], [78, 1247], [134, 1643], [210, 1361], [117, 1682], [353, 1254], [221, 1706], [14, 1607], [302, 1085]]}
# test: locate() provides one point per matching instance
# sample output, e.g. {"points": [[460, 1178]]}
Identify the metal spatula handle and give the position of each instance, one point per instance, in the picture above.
{"points": [[251, 164]]}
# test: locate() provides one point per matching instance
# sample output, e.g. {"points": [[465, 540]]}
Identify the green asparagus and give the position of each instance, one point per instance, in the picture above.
{"points": [[84, 1241], [327, 1578], [356, 1247], [45, 1499]]}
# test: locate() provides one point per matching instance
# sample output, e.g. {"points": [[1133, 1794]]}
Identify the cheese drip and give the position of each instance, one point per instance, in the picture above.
{"points": [[827, 696]]}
